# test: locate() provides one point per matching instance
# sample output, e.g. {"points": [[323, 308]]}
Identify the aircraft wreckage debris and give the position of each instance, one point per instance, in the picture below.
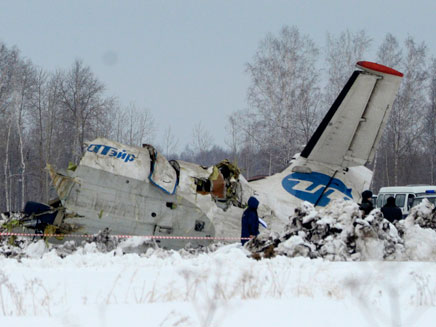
{"points": [[136, 191], [340, 233]]}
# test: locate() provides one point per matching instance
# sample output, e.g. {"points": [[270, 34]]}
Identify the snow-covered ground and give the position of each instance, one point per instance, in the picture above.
{"points": [[221, 286]]}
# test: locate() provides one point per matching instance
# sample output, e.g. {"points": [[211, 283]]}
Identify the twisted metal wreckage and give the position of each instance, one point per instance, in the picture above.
{"points": [[137, 191]]}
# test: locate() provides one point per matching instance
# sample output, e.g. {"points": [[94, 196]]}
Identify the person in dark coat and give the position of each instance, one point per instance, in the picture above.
{"points": [[390, 211], [250, 220], [366, 206]]}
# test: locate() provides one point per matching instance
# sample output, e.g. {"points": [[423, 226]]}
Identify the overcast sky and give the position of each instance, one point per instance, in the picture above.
{"points": [[185, 60]]}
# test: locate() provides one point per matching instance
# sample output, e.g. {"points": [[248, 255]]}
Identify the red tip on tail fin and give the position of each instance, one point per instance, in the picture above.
{"points": [[379, 68]]}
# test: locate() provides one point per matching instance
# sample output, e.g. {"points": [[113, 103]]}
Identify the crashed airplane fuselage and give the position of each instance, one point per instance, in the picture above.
{"points": [[136, 191]]}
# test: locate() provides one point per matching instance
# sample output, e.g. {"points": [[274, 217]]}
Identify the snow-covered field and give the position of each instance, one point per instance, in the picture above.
{"points": [[221, 286]]}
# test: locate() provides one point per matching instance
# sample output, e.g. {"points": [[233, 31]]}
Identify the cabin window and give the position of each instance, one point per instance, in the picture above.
{"points": [[171, 205], [400, 199]]}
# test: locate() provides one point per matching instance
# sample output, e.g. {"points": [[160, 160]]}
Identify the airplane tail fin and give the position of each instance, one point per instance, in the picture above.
{"points": [[351, 130]]}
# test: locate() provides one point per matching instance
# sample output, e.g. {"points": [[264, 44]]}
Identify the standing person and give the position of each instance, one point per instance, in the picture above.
{"points": [[366, 206], [390, 210], [250, 220]]}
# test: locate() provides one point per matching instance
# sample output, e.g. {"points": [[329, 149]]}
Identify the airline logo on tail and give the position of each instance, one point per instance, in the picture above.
{"points": [[311, 188]]}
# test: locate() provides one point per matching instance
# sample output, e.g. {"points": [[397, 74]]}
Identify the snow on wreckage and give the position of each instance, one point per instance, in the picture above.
{"points": [[337, 232], [136, 191]]}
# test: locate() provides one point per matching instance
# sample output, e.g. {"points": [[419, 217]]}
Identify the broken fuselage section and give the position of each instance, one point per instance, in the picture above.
{"points": [[137, 191]]}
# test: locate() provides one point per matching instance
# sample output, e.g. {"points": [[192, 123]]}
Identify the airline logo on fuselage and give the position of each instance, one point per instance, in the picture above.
{"points": [[310, 187], [110, 151]]}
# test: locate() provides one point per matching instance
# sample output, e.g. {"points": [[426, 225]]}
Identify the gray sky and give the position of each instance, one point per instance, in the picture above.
{"points": [[185, 60]]}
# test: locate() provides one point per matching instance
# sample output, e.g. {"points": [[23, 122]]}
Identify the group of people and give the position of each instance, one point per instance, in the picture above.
{"points": [[250, 218], [390, 210]]}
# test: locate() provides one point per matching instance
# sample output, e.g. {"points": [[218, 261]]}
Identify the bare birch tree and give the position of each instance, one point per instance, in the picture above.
{"points": [[390, 54], [169, 142], [140, 125], [403, 137], [234, 141], [119, 121], [132, 125], [201, 138], [6, 166], [430, 122], [405, 126], [48, 123], [9, 61], [25, 82], [283, 95], [342, 53], [82, 96]]}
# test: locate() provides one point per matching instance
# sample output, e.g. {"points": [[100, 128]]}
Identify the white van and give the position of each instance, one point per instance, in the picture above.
{"points": [[404, 195]]}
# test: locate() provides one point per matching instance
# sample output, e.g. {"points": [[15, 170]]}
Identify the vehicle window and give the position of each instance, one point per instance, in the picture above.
{"points": [[387, 196], [385, 199], [380, 200], [416, 202], [410, 199], [400, 199]]}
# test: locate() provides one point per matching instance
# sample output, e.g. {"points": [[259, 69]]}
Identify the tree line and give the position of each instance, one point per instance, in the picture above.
{"points": [[47, 116]]}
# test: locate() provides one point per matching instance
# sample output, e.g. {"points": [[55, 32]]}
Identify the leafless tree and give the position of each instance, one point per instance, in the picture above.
{"points": [[6, 166], [430, 121], [82, 96], [169, 142], [16, 85], [47, 131], [140, 126], [119, 121], [201, 138], [234, 140], [132, 125], [9, 61], [342, 53], [390, 54], [406, 122], [403, 136], [283, 95]]}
